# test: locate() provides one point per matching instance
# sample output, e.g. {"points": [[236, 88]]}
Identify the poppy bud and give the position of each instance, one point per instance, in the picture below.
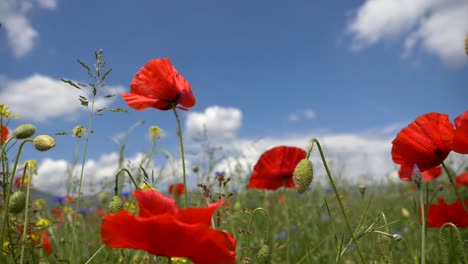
{"points": [[417, 176], [24, 131], [303, 175], [115, 204], [247, 260], [263, 255], [43, 142], [17, 202], [103, 197]]}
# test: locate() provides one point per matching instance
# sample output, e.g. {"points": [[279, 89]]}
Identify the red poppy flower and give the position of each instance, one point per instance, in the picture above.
{"points": [[159, 85], [421, 143], [442, 213], [462, 179], [4, 131], [275, 168], [176, 189], [163, 229], [457, 138], [406, 173], [46, 245]]}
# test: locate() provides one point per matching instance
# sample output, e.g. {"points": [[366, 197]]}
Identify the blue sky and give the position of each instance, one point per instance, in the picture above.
{"points": [[339, 70]]}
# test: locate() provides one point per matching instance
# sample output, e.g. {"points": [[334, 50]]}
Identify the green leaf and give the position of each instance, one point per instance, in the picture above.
{"points": [[84, 101], [71, 83], [86, 67], [106, 73], [61, 134], [82, 85], [109, 96], [119, 110], [100, 110]]}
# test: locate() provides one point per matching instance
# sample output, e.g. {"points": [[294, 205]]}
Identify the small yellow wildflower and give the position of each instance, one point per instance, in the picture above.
{"points": [[147, 186], [154, 132], [178, 260], [32, 166], [6, 247], [405, 212], [79, 131], [129, 206], [40, 203], [43, 223], [67, 209]]}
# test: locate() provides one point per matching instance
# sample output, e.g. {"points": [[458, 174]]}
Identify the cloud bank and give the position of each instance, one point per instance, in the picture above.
{"points": [[436, 26]]}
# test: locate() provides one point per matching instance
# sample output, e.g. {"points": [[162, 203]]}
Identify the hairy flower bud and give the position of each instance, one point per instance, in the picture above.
{"points": [[263, 255], [24, 131], [79, 131], [303, 175], [17, 202], [43, 142], [115, 204]]}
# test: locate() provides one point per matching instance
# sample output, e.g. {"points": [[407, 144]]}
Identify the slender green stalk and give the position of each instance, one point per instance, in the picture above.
{"points": [[117, 179], [450, 176], [267, 232], [181, 142], [332, 182], [423, 226], [26, 217], [95, 254], [9, 189]]}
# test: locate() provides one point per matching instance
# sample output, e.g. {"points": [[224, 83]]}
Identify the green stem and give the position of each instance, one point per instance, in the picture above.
{"points": [[26, 218], [267, 232], [181, 142], [9, 189], [423, 226], [117, 180], [95, 254], [450, 176], [332, 182]]}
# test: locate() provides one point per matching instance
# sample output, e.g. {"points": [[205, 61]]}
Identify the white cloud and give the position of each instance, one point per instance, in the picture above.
{"points": [[39, 97], [302, 114], [21, 34], [218, 122], [438, 26]]}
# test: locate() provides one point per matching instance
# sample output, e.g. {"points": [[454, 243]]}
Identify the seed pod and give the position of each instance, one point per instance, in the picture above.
{"points": [[263, 255], [24, 131], [115, 204], [303, 175], [17, 202], [43, 142]]}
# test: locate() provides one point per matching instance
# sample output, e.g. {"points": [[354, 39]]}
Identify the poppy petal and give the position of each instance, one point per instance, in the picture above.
{"points": [[153, 203], [421, 142]]}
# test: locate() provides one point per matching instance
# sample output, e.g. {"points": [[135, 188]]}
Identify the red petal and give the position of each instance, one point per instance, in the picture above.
{"points": [[163, 235], [153, 203], [46, 243], [421, 142], [4, 130], [275, 167], [462, 179], [460, 139], [461, 119]]}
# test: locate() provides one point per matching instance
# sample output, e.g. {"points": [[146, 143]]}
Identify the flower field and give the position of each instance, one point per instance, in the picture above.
{"points": [[282, 215]]}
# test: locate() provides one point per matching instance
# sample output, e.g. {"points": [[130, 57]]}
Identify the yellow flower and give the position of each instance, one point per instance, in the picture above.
{"points": [[155, 132], [6, 247], [43, 223], [32, 166], [129, 206], [79, 131], [40, 203], [178, 260], [67, 209], [146, 186]]}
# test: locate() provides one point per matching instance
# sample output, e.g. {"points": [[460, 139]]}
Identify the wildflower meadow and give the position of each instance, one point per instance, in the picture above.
{"points": [[280, 215]]}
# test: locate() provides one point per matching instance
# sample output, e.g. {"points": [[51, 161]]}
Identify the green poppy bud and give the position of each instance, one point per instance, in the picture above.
{"points": [[43, 142], [263, 255], [17, 202], [103, 197], [24, 131], [303, 175], [115, 204]]}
